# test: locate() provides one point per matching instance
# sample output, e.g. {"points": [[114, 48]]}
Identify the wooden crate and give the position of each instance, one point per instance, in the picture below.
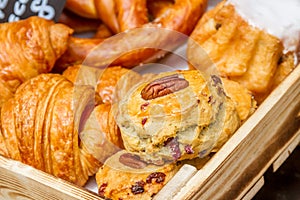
{"points": [[234, 172]]}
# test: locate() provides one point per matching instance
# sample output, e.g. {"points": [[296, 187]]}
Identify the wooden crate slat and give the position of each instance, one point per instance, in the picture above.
{"points": [[257, 186], [185, 173], [251, 148], [289, 148], [20, 181]]}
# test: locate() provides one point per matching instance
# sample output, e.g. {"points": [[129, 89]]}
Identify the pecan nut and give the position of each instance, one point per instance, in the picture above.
{"points": [[164, 86], [133, 161]]}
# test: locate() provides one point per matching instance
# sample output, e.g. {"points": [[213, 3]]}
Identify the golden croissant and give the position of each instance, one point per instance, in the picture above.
{"points": [[28, 48], [52, 125]]}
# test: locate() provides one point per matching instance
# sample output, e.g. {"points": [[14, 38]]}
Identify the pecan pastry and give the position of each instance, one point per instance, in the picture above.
{"points": [[125, 176], [51, 125], [28, 48], [257, 49], [176, 116]]}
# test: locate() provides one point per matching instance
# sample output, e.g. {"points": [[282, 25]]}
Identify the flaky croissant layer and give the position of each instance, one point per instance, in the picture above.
{"points": [[28, 48], [40, 127]]}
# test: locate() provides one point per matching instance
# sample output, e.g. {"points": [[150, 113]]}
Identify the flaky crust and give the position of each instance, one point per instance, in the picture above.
{"points": [[29, 47], [242, 98], [108, 124], [41, 126], [241, 52]]}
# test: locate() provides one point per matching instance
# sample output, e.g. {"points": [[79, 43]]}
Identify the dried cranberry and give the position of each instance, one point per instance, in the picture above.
{"points": [[188, 149], [211, 100], [158, 176], [174, 147], [144, 121], [221, 91], [216, 80], [143, 106], [101, 189], [138, 187]]}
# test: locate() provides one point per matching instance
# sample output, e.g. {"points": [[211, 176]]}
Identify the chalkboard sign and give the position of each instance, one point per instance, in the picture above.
{"points": [[14, 10]]}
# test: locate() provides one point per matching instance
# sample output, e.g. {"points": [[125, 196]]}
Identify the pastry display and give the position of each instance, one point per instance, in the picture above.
{"points": [[28, 48], [78, 106], [248, 45]]}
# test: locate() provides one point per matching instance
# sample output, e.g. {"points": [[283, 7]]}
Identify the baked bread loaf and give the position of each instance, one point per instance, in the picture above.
{"points": [[125, 176], [176, 116], [242, 52], [51, 124], [28, 48]]}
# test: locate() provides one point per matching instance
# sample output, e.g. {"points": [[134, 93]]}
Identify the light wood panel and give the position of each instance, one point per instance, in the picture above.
{"points": [[19, 181], [252, 149]]}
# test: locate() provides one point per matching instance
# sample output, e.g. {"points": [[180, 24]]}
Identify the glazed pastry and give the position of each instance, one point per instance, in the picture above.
{"points": [[125, 176], [84, 8], [131, 13], [77, 23], [28, 47], [111, 83], [106, 11], [158, 7], [244, 101], [100, 9], [76, 52], [176, 116], [103, 32], [51, 125], [248, 47], [148, 43]]}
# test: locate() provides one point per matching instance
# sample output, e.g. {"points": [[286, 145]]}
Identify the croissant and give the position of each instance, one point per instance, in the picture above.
{"points": [[52, 125], [28, 48]]}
